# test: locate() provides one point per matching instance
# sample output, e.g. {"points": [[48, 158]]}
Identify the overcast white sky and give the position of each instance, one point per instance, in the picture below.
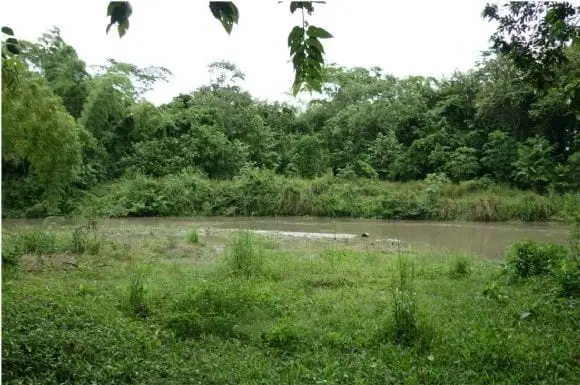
{"points": [[421, 37]]}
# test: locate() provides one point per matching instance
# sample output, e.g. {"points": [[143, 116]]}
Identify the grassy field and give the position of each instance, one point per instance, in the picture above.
{"points": [[209, 307]]}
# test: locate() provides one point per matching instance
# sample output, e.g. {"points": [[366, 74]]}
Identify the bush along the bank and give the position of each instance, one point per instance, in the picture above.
{"points": [[257, 192], [527, 259]]}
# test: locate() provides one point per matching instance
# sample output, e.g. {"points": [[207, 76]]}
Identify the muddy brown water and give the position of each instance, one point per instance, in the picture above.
{"points": [[484, 239]]}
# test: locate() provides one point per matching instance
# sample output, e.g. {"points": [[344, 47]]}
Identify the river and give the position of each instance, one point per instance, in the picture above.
{"points": [[484, 239]]}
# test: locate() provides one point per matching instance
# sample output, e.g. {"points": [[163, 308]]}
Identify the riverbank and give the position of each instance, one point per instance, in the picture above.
{"points": [[131, 306], [263, 193]]}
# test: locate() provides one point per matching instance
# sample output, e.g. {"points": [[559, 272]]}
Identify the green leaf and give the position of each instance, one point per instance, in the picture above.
{"points": [[307, 5], [112, 6], [315, 43], [296, 47], [226, 12], [297, 34], [318, 32], [296, 87], [298, 59], [8, 31], [123, 27], [120, 11], [12, 45]]}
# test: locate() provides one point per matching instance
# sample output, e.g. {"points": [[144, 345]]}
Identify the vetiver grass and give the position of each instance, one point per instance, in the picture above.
{"points": [[282, 312]]}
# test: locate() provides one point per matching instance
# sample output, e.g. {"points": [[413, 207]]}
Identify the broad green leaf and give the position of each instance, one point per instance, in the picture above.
{"points": [[123, 27], [312, 42], [8, 31], [307, 5], [12, 45], [298, 59], [297, 34], [315, 54], [226, 12], [298, 46], [318, 32], [119, 11]]}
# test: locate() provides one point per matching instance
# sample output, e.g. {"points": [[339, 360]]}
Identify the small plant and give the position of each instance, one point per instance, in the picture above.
{"points": [[137, 297], [528, 258], [460, 267], [193, 237]]}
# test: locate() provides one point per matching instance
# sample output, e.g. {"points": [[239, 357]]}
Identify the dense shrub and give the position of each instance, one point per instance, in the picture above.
{"points": [[263, 193], [528, 258]]}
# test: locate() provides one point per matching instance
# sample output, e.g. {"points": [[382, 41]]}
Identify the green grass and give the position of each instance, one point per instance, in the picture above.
{"points": [[279, 312], [193, 237], [263, 193]]}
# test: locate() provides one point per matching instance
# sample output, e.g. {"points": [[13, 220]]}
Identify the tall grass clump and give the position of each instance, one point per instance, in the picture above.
{"points": [[193, 237], [137, 303], [244, 257], [86, 241], [406, 326]]}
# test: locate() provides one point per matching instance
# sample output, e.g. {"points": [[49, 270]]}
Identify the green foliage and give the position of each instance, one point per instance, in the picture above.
{"points": [[462, 164], [406, 326], [536, 46], [48, 242], [34, 120], [261, 192], [59, 64], [527, 258], [534, 167], [499, 154], [310, 158]]}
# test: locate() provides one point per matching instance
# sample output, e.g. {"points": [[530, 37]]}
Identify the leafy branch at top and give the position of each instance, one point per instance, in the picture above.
{"points": [[306, 49]]}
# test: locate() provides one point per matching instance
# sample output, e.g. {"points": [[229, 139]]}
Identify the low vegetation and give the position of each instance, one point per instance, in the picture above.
{"points": [[283, 311], [263, 193]]}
